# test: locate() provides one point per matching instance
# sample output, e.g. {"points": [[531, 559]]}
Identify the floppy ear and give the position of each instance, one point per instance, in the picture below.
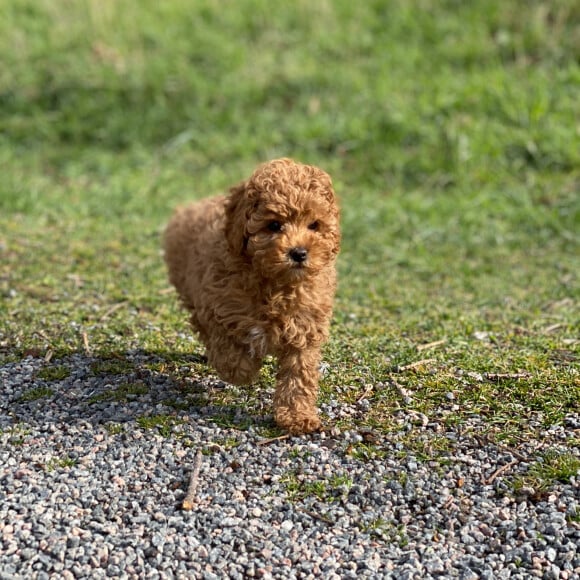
{"points": [[335, 234], [238, 208], [323, 185]]}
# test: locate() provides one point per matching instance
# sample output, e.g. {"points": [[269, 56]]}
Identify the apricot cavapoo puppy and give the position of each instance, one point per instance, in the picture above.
{"points": [[256, 269]]}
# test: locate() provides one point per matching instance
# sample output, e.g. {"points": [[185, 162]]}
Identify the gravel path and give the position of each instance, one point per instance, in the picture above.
{"points": [[89, 490]]}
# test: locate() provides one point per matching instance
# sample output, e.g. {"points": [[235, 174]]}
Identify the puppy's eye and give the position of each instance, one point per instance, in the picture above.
{"points": [[275, 226], [314, 226]]}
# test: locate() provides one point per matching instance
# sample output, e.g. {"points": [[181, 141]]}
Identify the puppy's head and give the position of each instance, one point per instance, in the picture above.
{"points": [[284, 219]]}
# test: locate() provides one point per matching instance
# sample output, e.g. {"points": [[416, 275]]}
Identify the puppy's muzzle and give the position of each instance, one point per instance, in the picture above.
{"points": [[298, 255]]}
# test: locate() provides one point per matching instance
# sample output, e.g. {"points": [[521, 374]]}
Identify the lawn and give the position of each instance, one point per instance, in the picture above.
{"points": [[451, 130]]}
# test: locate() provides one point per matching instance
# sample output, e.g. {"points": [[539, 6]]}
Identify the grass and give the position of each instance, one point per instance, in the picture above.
{"points": [[107, 367], [114, 428], [451, 133], [296, 488], [56, 373], [326, 490], [163, 424], [60, 463], [122, 393], [386, 530], [365, 451], [36, 394], [17, 433], [550, 468]]}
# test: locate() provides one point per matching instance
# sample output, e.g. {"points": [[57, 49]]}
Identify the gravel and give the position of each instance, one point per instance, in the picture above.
{"points": [[87, 489]]}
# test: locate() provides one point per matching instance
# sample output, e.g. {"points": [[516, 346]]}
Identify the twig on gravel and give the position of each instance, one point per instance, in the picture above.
{"points": [[484, 440], [113, 309], [273, 439], [416, 364], [428, 345], [505, 376], [86, 343], [405, 394], [316, 516], [498, 472], [513, 452], [366, 393], [42, 335], [190, 499]]}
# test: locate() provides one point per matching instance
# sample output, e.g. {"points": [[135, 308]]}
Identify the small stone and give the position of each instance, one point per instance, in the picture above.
{"points": [[157, 540], [434, 566], [552, 573]]}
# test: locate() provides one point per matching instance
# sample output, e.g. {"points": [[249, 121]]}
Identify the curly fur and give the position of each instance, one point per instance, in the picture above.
{"points": [[256, 270]]}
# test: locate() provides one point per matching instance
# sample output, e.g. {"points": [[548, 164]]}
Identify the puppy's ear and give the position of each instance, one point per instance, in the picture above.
{"points": [[327, 192], [320, 183], [238, 208], [335, 234]]}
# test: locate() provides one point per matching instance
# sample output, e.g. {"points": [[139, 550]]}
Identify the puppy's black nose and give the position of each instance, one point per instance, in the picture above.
{"points": [[299, 254]]}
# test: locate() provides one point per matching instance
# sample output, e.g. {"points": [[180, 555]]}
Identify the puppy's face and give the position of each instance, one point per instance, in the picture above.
{"points": [[285, 220]]}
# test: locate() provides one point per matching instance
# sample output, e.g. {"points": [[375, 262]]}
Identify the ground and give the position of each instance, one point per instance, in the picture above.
{"points": [[451, 132]]}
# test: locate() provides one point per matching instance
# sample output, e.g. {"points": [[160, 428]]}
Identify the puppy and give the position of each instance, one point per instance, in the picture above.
{"points": [[256, 270]]}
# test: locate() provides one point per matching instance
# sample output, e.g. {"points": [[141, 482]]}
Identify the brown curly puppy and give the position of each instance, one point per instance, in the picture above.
{"points": [[257, 271]]}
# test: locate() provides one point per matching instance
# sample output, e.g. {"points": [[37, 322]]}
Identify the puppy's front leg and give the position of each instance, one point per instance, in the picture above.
{"points": [[235, 363], [296, 391]]}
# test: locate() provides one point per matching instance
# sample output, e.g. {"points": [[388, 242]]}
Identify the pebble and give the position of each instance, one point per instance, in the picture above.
{"points": [[85, 491]]}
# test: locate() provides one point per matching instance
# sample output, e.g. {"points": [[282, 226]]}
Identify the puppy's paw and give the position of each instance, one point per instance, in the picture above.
{"points": [[297, 422], [239, 371]]}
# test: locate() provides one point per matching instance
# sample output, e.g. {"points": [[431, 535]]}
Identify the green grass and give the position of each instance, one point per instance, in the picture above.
{"points": [[35, 394], [326, 490], [122, 393], [110, 367], [451, 132], [114, 428], [366, 452], [16, 433], [394, 534], [60, 463], [57, 373], [550, 468], [164, 424]]}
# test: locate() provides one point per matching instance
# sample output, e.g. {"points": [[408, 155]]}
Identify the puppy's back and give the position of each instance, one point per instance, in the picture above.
{"points": [[189, 237]]}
